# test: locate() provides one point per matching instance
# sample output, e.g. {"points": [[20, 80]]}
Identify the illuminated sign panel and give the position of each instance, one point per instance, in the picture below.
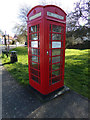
{"points": [[55, 15], [35, 16], [56, 44]]}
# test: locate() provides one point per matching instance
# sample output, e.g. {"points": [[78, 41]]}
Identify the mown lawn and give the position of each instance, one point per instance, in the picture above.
{"points": [[76, 69]]}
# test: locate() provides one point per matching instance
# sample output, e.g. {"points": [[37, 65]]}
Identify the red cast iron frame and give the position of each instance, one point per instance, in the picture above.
{"points": [[42, 20]]}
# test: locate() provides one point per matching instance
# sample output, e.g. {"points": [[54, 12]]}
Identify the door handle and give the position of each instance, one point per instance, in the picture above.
{"points": [[47, 52]]}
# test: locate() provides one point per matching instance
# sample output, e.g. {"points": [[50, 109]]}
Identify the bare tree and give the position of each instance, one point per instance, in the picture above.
{"points": [[77, 21], [43, 2], [79, 16], [23, 13], [21, 29]]}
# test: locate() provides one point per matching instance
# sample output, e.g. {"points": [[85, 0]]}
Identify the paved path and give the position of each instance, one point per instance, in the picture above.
{"points": [[70, 105], [17, 101], [0, 88], [0, 84]]}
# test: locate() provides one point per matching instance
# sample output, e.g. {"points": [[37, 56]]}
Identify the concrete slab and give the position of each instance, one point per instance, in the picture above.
{"points": [[70, 105], [50, 96]]}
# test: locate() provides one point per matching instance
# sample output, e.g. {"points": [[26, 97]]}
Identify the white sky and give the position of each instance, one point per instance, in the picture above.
{"points": [[9, 11]]}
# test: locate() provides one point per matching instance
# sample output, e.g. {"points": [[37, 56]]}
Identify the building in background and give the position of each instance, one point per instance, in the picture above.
{"points": [[2, 39]]}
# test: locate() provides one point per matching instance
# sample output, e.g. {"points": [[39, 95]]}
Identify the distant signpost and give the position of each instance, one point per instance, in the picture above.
{"points": [[6, 51]]}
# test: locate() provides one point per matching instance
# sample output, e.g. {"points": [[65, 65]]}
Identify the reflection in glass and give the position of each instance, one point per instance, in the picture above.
{"points": [[50, 44], [50, 81], [34, 44], [34, 72], [55, 73], [50, 52], [38, 66], [56, 79], [55, 59], [39, 52], [50, 27], [39, 59], [35, 51], [35, 65], [35, 58], [56, 52], [62, 44], [38, 44], [56, 44], [56, 36], [38, 36], [34, 78], [38, 27], [56, 28], [62, 29], [33, 28], [62, 52], [34, 36], [56, 66], [50, 36], [50, 60], [39, 74], [50, 67]]}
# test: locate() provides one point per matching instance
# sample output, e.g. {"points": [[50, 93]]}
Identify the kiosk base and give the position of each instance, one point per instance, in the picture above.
{"points": [[44, 98]]}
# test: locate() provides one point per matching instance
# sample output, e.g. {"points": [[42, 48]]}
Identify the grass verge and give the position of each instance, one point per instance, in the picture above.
{"points": [[76, 69]]}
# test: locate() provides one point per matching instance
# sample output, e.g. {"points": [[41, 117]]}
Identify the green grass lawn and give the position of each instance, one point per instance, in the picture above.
{"points": [[76, 69]]}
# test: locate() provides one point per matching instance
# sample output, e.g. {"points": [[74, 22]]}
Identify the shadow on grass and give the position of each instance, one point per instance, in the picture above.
{"points": [[6, 63], [76, 73], [78, 58]]}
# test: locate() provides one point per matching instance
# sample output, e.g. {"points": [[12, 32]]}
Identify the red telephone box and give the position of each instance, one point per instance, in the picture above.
{"points": [[46, 47]]}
